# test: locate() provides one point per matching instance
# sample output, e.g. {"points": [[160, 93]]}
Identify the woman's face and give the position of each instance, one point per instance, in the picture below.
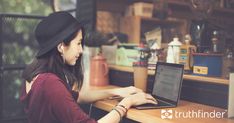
{"points": [[73, 51]]}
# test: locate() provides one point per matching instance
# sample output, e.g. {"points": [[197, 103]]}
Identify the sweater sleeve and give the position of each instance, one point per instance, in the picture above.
{"points": [[63, 105]]}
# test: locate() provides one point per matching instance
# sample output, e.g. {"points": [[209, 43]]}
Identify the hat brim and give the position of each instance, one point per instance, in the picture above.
{"points": [[58, 39]]}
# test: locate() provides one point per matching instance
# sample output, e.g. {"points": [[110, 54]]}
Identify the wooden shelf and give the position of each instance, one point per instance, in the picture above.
{"points": [[228, 14], [170, 21], [224, 10], [216, 80], [175, 5], [134, 26], [186, 6], [178, 5]]}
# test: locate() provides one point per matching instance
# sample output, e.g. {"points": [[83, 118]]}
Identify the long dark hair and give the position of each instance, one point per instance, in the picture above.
{"points": [[52, 62]]}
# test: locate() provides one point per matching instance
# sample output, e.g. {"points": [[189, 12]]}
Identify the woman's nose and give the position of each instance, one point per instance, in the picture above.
{"points": [[81, 50]]}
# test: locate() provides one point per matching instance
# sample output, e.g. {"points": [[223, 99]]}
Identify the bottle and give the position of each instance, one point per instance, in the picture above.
{"points": [[228, 62], [215, 41], [173, 51], [187, 39]]}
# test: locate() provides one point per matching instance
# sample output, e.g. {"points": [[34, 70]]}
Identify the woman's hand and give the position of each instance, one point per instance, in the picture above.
{"points": [[126, 91], [138, 99], [141, 98]]}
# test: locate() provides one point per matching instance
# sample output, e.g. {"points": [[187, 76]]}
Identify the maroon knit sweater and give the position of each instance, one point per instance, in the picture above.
{"points": [[49, 101]]}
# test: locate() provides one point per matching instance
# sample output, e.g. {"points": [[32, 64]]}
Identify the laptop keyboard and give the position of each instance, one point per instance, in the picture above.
{"points": [[160, 103]]}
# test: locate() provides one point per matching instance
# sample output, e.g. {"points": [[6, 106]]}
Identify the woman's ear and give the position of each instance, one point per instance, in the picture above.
{"points": [[60, 48]]}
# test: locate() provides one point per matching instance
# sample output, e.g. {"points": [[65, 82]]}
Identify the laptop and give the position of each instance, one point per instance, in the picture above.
{"points": [[167, 85]]}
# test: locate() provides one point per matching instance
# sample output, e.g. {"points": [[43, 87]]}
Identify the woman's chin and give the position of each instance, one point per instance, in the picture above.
{"points": [[72, 63]]}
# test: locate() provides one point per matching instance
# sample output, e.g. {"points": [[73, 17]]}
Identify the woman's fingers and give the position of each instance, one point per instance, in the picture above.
{"points": [[142, 98], [148, 96], [151, 99]]}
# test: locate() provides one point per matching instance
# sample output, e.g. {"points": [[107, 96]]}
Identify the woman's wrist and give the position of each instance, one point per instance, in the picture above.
{"points": [[122, 108], [126, 102], [114, 92], [118, 112]]}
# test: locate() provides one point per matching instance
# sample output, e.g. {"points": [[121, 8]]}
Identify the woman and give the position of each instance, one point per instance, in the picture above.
{"points": [[48, 93]]}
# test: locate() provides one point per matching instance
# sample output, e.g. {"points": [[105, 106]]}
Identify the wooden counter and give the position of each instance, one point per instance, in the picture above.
{"points": [[186, 76], [154, 115]]}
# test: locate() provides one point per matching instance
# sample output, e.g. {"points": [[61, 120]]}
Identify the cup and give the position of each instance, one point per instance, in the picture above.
{"points": [[140, 74]]}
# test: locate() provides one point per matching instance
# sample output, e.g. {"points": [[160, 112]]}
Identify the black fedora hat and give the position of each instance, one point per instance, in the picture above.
{"points": [[53, 29]]}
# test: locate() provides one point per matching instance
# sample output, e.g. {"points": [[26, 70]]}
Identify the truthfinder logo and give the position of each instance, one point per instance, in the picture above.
{"points": [[166, 114], [169, 114]]}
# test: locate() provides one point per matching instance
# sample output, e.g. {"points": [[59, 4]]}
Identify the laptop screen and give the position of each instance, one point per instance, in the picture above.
{"points": [[168, 80]]}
